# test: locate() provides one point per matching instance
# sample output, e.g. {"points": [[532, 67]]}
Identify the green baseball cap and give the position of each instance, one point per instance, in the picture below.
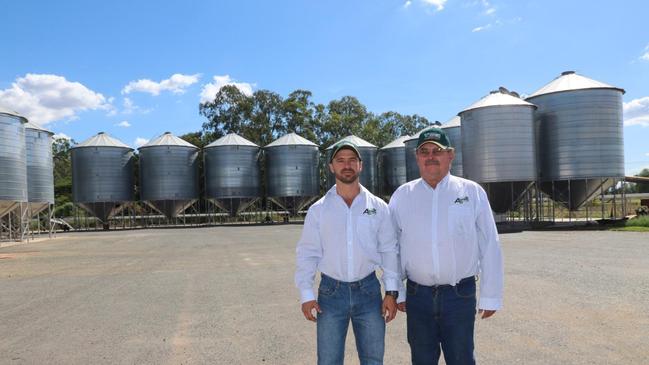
{"points": [[344, 145], [434, 135]]}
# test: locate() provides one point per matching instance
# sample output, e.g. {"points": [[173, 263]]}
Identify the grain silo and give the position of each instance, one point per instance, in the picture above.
{"points": [[40, 167], [13, 161], [580, 140], [369, 176], [102, 176], [232, 176], [292, 172], [169, 174], [392, 166], [454, 132], [498, 147]]}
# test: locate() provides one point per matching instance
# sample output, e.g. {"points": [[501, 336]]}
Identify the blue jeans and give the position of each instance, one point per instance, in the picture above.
{"points": [[358, 301], [441, 315]]}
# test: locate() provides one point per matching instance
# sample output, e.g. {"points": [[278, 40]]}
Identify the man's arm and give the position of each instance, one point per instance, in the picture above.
{"points": [[491, 260], [308, 255], [389, 250]]}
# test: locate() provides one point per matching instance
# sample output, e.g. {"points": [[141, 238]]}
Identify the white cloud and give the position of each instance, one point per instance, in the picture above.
{"points": [[647, 154], [44, 98], [645, 56], [407, 4], [636, 112], [481, 28], [177, 84], [123, 124], [490, 11], [438, 4], [210, 90], [61, 136], [139, 141]]}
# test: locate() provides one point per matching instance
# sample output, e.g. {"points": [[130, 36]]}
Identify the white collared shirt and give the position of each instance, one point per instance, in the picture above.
{"points": [[448, 233], [347, 243]]}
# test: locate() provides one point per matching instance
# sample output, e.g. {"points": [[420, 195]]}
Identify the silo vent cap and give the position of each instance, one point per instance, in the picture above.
{"points": [[564, 73]]}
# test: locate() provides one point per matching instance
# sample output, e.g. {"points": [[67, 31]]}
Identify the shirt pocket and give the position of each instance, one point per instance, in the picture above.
{"points": [[366, 234], [461, 221]]}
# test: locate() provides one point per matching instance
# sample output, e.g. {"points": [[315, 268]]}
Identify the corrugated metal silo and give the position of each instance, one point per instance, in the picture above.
{"points": [[40, 167], [232, 178], [580, 138], [369, 176], [169, 174], [292, 172], [102, 175], [13, 161], [498, 146], [392, 165], [454, 132]]}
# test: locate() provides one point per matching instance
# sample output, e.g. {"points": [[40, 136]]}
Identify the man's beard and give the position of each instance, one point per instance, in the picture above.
{"points": [[347, 179]]}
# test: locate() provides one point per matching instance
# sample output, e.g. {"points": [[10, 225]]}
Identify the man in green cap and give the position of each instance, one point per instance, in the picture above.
{"points": [[347, 236], [447, 236]]}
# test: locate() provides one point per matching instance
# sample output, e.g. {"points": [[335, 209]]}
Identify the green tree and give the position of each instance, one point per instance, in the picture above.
{"points": [[643, 187], [62, 175], [344, 117], [302, 116], [227, 113]]}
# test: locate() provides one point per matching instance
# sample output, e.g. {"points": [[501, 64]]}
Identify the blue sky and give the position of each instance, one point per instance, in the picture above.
{"points": [[136, 69]]}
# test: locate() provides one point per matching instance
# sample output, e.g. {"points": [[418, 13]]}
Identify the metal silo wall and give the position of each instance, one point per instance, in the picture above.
{"points": [[40, 166], [168, 173], [369, 176], [102, 174], [393, 169], [580, 134], [232, 172], [292, 171], [498, 144], [455, 135], [13, 163], [412, 170]]}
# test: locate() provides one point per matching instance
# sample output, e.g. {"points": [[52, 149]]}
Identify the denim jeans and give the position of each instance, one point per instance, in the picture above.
{"points": [[442, 315], [360, 302]]}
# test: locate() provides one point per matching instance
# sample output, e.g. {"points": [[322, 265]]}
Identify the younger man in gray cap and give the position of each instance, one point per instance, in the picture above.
{"points": [[447, 236], [347, 235]]}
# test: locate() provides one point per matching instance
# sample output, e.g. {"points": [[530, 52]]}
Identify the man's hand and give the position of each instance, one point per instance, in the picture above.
{"points": [[402, 306], [389, 309], [486, 313], [307, 309]]}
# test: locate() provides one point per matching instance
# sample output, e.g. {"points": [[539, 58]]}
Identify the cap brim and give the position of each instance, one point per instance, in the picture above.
{"points": [[433, 142]]}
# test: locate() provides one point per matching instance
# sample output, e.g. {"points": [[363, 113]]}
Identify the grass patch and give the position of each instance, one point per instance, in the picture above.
{"points": [[642, 221]]}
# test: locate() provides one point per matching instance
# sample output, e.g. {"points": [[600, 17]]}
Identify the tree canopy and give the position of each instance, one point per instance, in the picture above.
{"points": [[265, 116]]}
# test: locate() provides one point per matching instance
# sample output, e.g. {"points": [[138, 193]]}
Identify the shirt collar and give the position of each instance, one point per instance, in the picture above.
{"points": [[361, 195], [442, 184]]}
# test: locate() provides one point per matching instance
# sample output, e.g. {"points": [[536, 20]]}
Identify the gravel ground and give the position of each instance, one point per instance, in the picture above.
{"points": [[225, 295]]}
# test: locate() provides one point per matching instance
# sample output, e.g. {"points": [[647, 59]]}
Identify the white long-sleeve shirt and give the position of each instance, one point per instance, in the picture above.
{"points": [[347, 243], [448, 233]]}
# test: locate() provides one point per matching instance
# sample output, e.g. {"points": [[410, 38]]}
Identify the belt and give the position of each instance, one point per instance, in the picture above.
{"points": [[368, 278], [435, 287]]}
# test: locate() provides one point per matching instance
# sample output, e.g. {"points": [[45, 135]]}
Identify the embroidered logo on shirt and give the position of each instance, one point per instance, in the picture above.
{"points": [[462, 200], [369, 211]]}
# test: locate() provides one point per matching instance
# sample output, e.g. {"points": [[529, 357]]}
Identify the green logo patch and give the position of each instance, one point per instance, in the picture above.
{"points": [[369, 211], [462, 200]]}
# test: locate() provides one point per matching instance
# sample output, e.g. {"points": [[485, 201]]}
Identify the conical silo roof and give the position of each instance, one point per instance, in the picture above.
{"points": [[13, 114], [397, 143], [168, 139], [102, 139], [569, 80], [500, 97], [231, 139], [359, 142], [291, 139], [456, 121], [34, 126]]}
